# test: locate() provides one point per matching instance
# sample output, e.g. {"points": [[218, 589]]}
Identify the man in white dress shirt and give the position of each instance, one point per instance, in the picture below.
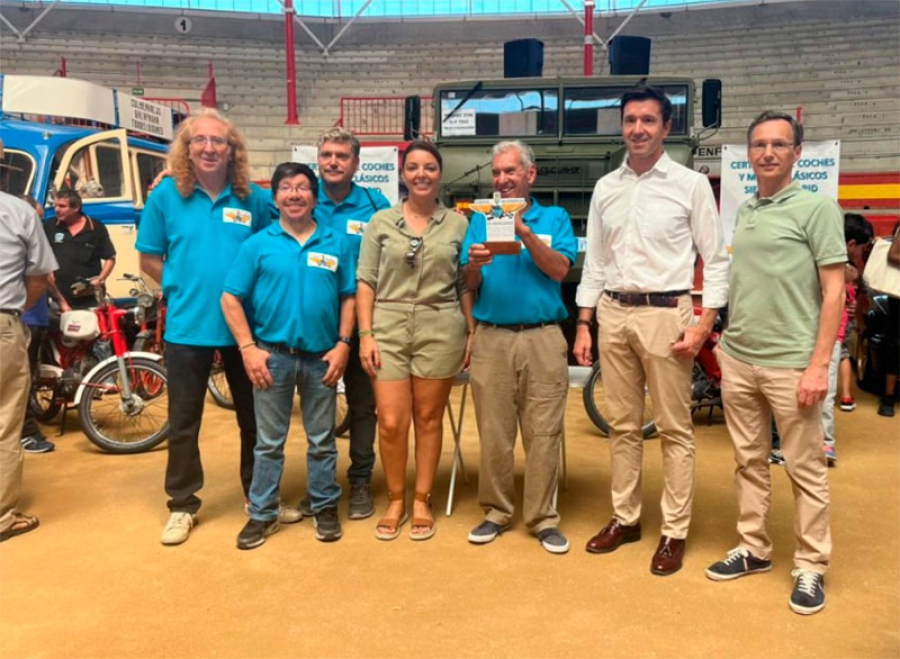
{"points": [[648, 221]]}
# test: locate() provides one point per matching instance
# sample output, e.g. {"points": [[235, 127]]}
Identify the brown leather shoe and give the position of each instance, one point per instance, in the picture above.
{"points": [[612, 535], [668, 557]]}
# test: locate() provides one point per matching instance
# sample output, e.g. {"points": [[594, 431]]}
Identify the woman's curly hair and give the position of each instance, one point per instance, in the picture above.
{"points": [[183, 170]]}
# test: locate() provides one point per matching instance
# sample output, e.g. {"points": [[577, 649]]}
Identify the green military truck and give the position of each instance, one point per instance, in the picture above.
{"points": [[572, 124]]}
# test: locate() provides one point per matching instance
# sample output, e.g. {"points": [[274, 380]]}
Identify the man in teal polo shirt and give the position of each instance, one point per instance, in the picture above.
{"points": [[787, 297], [297, 278], [190, 231], [519, 372], [347, 207]]}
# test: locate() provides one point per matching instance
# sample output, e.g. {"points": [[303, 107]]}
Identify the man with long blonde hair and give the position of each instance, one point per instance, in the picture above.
{"points": [[190, 231]]}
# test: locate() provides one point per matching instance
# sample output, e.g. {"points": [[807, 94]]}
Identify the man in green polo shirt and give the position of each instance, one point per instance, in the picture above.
{"points": [[786, 298]]}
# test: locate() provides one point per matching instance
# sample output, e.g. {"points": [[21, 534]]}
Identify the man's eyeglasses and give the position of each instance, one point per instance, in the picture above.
{"points": [[414, 245], [777, 147], [203, 140], [285, 189]]}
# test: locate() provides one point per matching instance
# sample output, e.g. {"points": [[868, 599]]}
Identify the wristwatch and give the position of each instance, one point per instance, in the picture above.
{"points": [[344, 339]]}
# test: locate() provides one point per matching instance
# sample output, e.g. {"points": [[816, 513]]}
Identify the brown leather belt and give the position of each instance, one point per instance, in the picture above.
{"points": [[663, 299], [520, 327], [11, 312]]}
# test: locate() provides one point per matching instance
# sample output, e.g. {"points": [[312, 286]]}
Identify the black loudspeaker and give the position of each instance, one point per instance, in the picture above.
{"points": [[412, 117], [523, 58], [629, 56]]}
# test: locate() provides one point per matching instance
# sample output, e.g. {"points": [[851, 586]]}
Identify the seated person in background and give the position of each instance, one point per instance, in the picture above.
{"points": [[82, 247]]}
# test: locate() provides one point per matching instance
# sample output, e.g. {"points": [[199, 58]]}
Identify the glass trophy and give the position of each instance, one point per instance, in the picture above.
{"points": [[500, 215]]}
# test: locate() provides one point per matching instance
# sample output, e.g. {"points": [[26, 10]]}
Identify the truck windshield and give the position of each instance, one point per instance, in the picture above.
{"points": [[535, 112], [500, 112], [595, 110]]}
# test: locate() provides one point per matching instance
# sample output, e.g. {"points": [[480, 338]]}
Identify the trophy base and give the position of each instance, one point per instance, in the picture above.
{"points": [[505, 247]]}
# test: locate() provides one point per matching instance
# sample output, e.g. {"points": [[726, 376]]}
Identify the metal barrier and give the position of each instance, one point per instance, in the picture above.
{"points": [[381, 115]]}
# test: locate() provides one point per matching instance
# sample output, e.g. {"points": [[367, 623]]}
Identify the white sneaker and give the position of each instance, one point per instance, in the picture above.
{"points": [[178, 528]]}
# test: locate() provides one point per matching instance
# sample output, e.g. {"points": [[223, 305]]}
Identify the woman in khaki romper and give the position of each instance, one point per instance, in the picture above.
{"points": [[415, 322]]}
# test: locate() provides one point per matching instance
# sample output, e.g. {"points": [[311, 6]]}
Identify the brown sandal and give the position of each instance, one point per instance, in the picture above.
{"points": [[426, 524], [22, 523], [391, 525]]}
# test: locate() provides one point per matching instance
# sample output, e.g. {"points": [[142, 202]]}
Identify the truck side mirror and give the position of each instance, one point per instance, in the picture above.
{"points": [[712, 103], [412, 117]]}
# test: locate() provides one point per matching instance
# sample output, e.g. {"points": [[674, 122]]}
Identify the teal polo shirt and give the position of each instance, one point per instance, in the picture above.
{"points": [[199, 238], [294, 291], [513, 289], [351, 216]]}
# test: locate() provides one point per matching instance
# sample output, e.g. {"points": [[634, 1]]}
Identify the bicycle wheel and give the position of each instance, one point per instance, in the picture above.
{"points": [[341, 413], [132, 425], [596, 406], [218, 384], [44, 398]]}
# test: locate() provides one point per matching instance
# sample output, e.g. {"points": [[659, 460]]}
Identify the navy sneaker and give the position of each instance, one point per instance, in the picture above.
{"points": [[37, 444], [738, 563], [808, 596]]}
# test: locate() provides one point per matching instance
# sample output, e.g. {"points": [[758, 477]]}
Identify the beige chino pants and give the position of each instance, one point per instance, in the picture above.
{"points": [[14, 387], [635, 346], [519, 381], [751, 395]]}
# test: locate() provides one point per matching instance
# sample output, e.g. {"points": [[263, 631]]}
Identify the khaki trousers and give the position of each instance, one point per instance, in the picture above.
{"points": [[751, 395], [636, 350], [519, 380], [14, 387]]}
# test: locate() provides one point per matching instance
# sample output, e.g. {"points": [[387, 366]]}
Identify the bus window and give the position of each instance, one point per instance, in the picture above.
{"points": [[16, 173]]}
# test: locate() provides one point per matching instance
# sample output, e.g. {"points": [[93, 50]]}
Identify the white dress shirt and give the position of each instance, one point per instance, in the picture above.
{"points": [[644, 232]]}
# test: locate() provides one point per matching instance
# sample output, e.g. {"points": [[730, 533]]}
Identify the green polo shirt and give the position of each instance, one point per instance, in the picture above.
{"points": [[774, 297]]}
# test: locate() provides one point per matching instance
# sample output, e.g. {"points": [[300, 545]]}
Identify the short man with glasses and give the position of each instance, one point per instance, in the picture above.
{"points": [[787, 295], [190, 231], [347, 208], [297, 279], [519, 372], [648, 221]]}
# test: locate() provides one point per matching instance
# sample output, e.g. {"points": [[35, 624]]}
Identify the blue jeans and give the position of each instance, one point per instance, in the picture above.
{"points": [[273, 420]]}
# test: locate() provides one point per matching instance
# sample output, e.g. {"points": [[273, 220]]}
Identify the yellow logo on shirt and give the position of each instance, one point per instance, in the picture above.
{"points": [[545, 238], [237, 216], [356, 227], [319, 260]]}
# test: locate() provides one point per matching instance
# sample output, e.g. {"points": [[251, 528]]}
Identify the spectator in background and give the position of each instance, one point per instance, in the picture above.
{"points": [[37, 319], [82, 247], [892, 349], [857, 234]]}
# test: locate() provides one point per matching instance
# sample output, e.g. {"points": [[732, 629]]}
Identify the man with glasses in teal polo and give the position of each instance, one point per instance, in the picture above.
{"points": [[190, 231]]}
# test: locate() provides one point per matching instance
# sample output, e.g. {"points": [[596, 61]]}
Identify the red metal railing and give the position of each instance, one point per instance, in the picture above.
{"points": [[381, 115]]}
